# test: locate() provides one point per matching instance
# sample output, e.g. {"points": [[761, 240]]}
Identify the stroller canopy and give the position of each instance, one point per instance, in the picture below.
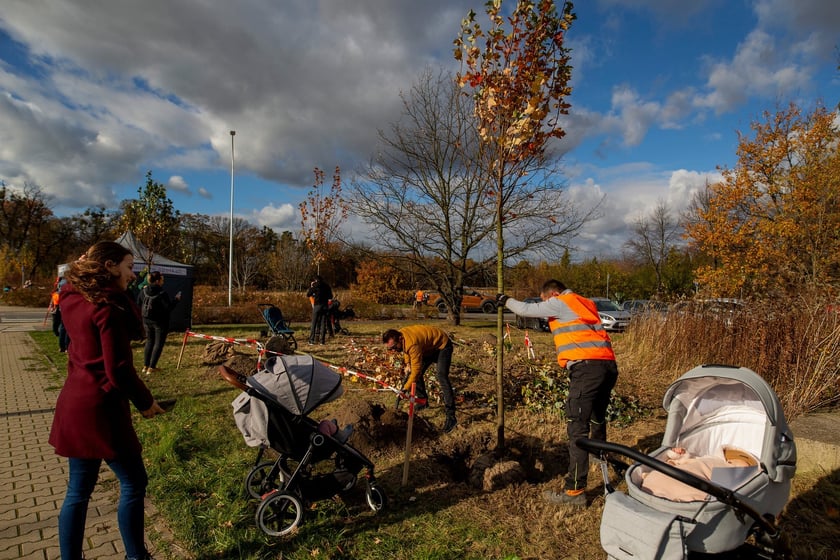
{"points": [[297, 383], [712, 391]]}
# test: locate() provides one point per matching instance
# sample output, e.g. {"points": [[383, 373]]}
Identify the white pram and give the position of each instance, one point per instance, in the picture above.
{"points": [[713, 412]]}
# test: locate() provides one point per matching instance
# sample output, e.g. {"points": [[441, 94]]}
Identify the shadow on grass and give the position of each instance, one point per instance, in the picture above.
{"points": [[815, 513]]}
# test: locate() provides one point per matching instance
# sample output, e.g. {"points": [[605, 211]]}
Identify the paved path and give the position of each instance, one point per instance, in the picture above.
{"points": [[32, 478]]}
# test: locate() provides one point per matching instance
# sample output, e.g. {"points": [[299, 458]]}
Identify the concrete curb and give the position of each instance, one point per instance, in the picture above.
{"points": [[817, 437]]}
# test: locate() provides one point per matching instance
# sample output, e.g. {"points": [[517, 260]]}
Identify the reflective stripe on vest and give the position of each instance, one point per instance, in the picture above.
{"points": [[579, 340]]}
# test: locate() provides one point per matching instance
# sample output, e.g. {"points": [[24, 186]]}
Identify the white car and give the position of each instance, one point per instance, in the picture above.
{"points": [[614, 318]]}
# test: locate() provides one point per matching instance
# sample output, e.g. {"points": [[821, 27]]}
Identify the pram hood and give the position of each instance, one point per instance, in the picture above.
{"points": [[298, 383], [706, 391]]}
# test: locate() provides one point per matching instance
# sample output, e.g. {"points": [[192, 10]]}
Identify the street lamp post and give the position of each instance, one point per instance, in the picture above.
{"points": [[230, 252]]}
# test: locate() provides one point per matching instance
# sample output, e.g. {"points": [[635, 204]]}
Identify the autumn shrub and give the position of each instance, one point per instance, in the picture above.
{"points": [[793, 344], [379, 281]]}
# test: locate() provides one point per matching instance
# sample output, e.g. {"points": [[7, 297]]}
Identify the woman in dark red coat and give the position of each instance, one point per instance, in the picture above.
{"points": [[92, 416]]}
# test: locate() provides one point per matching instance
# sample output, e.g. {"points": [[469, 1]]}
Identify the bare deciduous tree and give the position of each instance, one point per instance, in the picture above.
{"points": [[430, 199], [654, 236]]}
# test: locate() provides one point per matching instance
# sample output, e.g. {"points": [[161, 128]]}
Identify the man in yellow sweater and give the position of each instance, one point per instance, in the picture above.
{"points": [[424, 345]]}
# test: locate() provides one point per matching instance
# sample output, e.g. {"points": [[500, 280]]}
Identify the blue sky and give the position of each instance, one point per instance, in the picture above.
{"points": [[95, 93]]}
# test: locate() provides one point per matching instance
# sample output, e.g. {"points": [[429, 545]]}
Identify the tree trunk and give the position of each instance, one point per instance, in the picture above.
{"points": [[500, 319]]}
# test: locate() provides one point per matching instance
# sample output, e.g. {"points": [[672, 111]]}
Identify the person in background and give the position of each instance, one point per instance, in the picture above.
{"points": [[55, 309], [584, 349], [320, 293], [424, 345], [92, 419], [156, 307]]}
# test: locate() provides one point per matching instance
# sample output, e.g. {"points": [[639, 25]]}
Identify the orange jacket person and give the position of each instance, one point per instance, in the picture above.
{"points": [[585, 350], [423, 346]]}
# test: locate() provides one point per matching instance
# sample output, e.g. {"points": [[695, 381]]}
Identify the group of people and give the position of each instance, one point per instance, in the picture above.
{"points": [[92, 421], [326, 312]]}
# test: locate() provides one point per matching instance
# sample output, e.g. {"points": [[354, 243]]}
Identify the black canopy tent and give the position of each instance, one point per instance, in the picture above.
{"points": [[178, 277]]}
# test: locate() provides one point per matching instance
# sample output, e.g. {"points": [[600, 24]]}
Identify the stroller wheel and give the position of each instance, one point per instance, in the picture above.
{"points": [[279, 514], [376, 498], [261, 480]]}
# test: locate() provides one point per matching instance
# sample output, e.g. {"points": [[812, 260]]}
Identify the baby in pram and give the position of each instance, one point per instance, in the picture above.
{"points": [[739, 465]]}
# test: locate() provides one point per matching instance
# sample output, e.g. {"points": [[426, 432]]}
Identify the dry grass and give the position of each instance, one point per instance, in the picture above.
{"points": [[795, 347]]}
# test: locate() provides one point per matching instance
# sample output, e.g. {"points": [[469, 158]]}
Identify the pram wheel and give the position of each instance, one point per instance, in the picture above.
{"points": [[376, 498], [262, 480], [279, 514]]}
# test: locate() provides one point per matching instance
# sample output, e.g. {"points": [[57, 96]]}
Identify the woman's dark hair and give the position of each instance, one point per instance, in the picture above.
{"points": [[89, 274], [155, 276]]}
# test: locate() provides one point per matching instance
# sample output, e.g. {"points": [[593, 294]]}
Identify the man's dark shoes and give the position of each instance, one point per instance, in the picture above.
{"points": [[574, 499]]}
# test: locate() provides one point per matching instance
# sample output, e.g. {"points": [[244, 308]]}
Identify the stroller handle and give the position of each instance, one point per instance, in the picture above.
{"points": [[234, 378], [728, 497]]}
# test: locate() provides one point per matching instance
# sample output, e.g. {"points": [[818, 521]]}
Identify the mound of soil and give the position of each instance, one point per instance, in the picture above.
{"points": [[377, 429], [216, 352]]}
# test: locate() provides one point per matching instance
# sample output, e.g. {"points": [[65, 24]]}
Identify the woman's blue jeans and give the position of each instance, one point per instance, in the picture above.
{"points": [[84, 473]]}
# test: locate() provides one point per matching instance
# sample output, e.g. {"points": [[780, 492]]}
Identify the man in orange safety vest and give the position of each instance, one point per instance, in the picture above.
{"points": [[584, 349]]}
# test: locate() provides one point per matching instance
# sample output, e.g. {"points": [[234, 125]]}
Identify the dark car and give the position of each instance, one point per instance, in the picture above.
{"points": [[637, 306], [533, 323], [726, 309]]}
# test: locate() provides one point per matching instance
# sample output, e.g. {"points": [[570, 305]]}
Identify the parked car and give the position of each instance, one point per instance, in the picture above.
{"points": [[726, 309], [472, 300], [533, 323], [614, 318], [636, 306]]}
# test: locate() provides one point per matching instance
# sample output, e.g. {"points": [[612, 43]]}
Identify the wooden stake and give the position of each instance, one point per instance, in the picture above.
{"points": [[183, 345], [408, 435]]}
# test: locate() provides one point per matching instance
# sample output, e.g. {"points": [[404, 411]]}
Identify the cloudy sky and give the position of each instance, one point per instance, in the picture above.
{"points": [[94, 93]]}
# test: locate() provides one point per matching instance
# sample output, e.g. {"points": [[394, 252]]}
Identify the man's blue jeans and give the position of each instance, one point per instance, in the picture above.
{"points": [[84, 473]]}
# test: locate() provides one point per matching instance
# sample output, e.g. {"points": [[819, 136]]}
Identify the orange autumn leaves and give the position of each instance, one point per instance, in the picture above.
{"points": [[519, 75], [772, 225], [322, 215]]}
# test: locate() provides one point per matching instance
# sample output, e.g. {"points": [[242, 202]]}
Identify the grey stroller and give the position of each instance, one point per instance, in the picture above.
{"points": [[722, 474], [314, 461]]}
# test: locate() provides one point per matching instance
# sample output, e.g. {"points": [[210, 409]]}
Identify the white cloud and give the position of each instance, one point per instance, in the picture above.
{"points": [[280, 218], [630, 192], [756, 70], [177, 183], [122, 90], [105, 95]]}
